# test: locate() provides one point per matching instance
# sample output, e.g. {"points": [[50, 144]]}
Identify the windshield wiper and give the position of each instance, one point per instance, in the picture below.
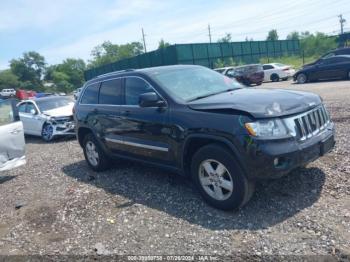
{"points": [[212, 94]]}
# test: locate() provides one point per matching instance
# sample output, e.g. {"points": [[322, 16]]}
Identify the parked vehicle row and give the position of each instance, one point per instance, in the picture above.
{"points": [[199, 123]]}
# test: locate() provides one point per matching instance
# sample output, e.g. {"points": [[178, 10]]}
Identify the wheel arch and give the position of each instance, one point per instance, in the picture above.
{"points": [[194, 142], [82, 132]]}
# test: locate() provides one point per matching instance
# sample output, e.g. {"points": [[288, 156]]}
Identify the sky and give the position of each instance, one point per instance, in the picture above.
{"points": [[71, 28]]}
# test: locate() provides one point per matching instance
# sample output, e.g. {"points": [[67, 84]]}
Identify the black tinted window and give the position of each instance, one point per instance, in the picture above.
{"points": [[111, 92], [267, 67], [90, 95], [134, 87]]}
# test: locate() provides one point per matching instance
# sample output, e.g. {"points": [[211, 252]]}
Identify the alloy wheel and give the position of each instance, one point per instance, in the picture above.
{"points": [[91, 153], [47, 133], [215, 179]]}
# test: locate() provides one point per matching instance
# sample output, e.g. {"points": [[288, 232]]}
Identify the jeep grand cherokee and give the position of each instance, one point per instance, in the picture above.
{"points": [[200, 123]]}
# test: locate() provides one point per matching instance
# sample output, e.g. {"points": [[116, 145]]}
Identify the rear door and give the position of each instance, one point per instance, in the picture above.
{"points": [[12, 145], [330, 68], [268, 70]]}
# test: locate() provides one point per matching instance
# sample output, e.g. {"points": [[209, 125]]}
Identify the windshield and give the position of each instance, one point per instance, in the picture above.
{"points": [[46, 105], [190, 83]]}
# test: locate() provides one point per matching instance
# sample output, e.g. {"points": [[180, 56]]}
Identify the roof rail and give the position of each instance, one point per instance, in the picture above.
{"points": [[111, 73]]}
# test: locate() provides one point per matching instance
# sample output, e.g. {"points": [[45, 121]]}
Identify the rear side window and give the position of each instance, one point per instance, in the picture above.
{"points": [[267, 67], [111, 92], [134, 87], [90, 95]]}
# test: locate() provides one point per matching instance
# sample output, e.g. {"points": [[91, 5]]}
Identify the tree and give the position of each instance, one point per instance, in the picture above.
{"points": [[163, 44], [108, 53], [316, 44], [29, 68], [8, 79], [67, 75], [272, 35], [226, 39], [293, 36]]}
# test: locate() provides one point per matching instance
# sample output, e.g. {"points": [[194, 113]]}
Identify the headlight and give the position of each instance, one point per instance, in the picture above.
{"points": [[267, 128]]}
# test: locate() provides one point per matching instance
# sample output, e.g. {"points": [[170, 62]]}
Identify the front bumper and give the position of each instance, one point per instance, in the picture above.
{"points": [[273, 159], [66, 128]]}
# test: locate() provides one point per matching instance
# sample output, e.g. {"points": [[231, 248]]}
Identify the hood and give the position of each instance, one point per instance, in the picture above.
{"points": [[260, 103], [60, 111]]}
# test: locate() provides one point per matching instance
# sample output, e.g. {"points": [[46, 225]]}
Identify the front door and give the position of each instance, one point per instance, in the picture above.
{"points": [[144, 129], [12, 145]]}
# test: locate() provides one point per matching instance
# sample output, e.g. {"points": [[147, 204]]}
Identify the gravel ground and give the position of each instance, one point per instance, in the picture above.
{"points": [[57, 205]]}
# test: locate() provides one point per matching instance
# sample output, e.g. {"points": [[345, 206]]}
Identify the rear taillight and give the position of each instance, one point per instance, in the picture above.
{"points": [[286, 69]]}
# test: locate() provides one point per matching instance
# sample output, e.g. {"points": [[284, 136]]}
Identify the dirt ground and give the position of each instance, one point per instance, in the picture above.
{"points": [[57, 205]]}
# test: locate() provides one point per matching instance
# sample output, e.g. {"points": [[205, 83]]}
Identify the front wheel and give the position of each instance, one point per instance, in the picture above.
{"points": [[47, 132], [301, 78], [219, 179]]}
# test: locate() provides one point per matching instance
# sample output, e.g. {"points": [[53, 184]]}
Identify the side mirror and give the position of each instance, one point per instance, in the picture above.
{"points": [[150, 99], [32, 111]]}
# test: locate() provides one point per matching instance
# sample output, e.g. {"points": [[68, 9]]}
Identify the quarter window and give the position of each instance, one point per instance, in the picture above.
{"points": [[267, 67], [111, 92], [90, 94], [134, 87]]}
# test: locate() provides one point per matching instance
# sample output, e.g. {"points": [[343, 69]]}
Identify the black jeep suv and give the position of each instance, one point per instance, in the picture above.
{"points": [[197, 122]]}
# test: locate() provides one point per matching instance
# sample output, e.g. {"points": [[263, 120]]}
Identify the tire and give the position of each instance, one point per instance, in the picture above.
{"points": [[275, 78], [259, 83], [47, 132], [301, 78], [235, 188], [285, 79], [94, 155]]}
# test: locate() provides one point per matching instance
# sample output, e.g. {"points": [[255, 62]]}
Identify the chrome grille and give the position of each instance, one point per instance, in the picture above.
{"points": [[311, 123]]}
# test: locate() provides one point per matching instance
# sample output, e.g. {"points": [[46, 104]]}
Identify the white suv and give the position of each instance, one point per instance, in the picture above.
{"points": [[8, 92]]}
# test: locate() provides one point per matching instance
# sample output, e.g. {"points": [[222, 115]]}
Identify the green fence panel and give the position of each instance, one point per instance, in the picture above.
{"points": [[200, 51], [184, 52], [214, 50], [226, 50], [206, 54]]}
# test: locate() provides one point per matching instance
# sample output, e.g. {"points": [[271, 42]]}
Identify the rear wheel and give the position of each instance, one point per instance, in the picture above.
{"points": [[94, 155], [301, 78], [219, 179], [275, 78]]}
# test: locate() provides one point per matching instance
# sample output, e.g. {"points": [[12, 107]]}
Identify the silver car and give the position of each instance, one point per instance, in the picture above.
{"points": [[12, 145], [47, 117]]}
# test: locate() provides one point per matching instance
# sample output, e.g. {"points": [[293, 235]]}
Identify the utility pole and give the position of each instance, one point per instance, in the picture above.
{"points": [[342, 22], [144, 41], [209, 33]]}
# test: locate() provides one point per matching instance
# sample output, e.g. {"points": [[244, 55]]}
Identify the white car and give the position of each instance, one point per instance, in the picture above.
{"points": [[8, 92], [276, 71], [47, 117], [12, 145]]}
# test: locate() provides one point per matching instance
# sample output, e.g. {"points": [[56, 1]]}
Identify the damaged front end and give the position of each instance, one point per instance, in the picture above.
{"points": [[62, 125]]}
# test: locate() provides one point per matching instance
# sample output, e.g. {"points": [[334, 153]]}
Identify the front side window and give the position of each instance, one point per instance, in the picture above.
{"points": [[90, 95], [134, 87], [111, 92], [30, 107], [6, 112], [22, 108]]}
